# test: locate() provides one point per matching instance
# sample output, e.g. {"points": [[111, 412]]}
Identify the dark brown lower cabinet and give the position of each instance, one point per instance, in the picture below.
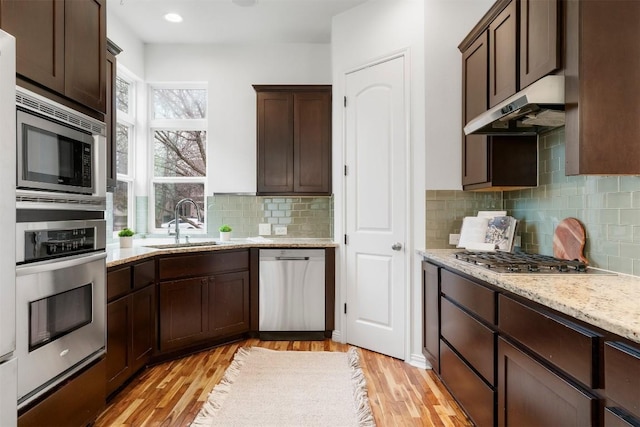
{"points": [[474, 341], [531, 394], [183, 312], [431, 314], [194, 311], [476, 396], [622, 374], [130, 334], [143, 326], [118, 343], [616, 417], [229, 303], [75, 403]]}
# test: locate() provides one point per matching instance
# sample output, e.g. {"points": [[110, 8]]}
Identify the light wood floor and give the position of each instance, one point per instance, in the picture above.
{"points": [[171, 394]]}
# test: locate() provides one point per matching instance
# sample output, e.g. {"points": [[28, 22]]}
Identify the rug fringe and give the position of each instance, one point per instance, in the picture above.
{"points": [[364, 414], [219, 393]]}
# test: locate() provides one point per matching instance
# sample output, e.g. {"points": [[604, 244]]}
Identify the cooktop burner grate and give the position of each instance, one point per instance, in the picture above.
{"points": [[519, 262]]}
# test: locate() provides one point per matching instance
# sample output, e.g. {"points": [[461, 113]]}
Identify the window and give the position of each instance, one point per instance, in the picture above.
{"points": [[123, 194], [179, 147]]}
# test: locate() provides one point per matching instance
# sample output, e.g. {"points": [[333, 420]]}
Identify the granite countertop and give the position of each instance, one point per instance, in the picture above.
{"points": [[608, 301], [141, 247]]}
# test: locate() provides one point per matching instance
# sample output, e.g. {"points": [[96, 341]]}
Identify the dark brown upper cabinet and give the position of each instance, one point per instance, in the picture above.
{"points": [[503, 71], [491, 162], [601, 87], [523, 43], [513, 45], [539, 39], [60, 47], [474, 102], [294, 139]]}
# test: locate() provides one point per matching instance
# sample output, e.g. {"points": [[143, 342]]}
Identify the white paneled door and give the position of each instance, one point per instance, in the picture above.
{"points": [[376, 207]]}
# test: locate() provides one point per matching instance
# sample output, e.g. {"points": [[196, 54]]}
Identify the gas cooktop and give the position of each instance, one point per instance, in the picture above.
{"points": [[520, 262]]}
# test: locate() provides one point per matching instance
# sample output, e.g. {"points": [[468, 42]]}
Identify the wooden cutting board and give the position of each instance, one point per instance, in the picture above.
{"points": [[569, 239]]}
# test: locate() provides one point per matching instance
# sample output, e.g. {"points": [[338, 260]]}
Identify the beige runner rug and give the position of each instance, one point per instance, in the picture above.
{"points": [[265, 387]]}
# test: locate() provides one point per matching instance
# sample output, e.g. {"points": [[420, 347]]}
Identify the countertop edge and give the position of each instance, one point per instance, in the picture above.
{"points": [[608, 302], [117, 256]]}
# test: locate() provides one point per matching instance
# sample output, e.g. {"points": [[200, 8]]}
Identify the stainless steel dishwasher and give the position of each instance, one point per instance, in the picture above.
{"points": [[292, 293]]}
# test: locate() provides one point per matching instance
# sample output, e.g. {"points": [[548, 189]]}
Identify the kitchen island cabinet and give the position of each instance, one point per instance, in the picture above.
{"points": [[60, 49], [294, 139]]}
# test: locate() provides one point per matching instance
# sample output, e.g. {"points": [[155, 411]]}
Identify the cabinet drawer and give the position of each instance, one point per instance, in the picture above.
{"points": [[474, 341], [614, 417], [622, 375], [477, 398], [529, 394], [473, 296], [144, 274], [118, 282], [77, 402], [568, 346], [202, 264]]}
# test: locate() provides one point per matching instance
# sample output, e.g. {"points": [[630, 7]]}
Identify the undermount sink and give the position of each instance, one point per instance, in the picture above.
{"points": [[183, 245]]}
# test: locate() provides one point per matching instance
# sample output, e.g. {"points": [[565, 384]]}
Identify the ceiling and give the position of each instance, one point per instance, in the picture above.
{"points": [[225, 22]]}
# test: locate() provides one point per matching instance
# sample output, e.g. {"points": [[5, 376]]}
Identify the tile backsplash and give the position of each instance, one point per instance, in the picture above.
{"points": [[607, 206], [447, 208], [304, 217]]}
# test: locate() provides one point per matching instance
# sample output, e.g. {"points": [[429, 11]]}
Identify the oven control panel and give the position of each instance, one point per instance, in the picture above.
{"points": [[45, 244]]}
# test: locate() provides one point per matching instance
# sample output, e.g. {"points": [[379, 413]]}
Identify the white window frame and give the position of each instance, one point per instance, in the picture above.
{"points": [[174, 124], [128, 120]]}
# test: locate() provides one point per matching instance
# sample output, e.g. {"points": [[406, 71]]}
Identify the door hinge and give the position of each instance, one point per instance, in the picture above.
{"points": [[346, 170], [345, 308], [345, 101], [345, 239]]}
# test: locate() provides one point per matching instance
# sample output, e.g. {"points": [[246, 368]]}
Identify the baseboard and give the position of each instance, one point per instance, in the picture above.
{"points": [[419, 361], [336, 336]]}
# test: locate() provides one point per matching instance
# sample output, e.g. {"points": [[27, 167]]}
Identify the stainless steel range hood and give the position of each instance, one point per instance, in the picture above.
{"points": [[536, 108]]}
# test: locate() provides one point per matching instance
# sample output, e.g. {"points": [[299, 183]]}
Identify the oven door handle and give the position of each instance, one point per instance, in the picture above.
{"points": [[57, 264]]}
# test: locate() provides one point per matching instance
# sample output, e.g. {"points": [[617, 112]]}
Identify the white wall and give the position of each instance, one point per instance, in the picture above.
{"points": [[374, 30], [230, 72], [132, 56], [446, 23]]}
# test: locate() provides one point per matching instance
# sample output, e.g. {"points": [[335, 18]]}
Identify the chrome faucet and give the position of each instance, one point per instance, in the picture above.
{"points": [[177, 217]]}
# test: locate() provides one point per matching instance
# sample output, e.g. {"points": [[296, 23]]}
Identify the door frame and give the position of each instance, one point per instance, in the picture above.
{"points": [[341, 299]]}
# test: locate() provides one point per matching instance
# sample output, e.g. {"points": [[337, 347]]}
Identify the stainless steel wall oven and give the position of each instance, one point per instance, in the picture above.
{"points": [[60, 296]]}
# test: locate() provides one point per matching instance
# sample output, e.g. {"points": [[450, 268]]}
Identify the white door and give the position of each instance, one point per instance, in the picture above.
{"points": [[375, 205]]}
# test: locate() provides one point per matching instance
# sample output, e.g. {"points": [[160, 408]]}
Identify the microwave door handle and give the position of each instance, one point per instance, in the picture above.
{"points": [[57, 264]]}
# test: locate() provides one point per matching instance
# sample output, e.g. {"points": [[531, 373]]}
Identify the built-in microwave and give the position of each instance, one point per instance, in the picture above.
{"points": [[59, 150]]}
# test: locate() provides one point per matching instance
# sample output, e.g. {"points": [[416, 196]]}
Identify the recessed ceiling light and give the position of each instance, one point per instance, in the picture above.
{"points": [[173, 17]]}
